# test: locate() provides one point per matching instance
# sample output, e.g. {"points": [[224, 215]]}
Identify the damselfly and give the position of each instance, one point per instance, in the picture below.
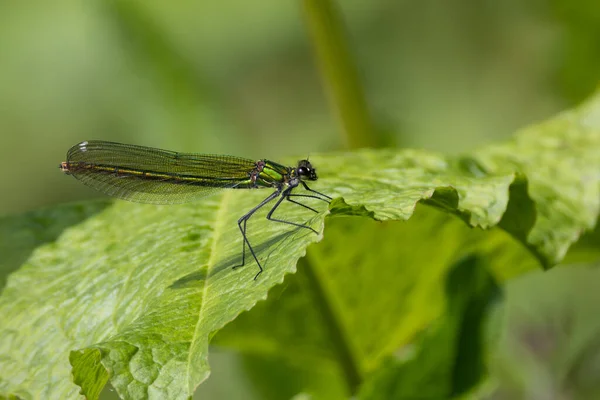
{"points": [[148, 175]]}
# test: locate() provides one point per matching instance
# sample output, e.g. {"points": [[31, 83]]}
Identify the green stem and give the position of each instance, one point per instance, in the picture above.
{"points": [[339, 73], [340, 343]]}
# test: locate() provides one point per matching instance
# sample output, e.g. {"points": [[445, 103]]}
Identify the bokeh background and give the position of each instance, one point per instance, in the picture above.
{"points": [[240, 77]]}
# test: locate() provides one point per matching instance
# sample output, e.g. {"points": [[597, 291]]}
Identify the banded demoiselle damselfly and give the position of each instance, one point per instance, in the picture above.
{"points": [[148, 175]]}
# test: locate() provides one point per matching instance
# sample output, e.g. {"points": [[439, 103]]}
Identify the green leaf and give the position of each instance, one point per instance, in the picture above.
{"points": [[91, 380], [276, 378], [133, 283], [451, 354], [382, 281], [363, 293], [142, 289], [560, 160], [20, 235]]}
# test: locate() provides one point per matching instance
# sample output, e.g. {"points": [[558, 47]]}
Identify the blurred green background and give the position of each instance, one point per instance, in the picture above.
{"points": [[241, 78]]}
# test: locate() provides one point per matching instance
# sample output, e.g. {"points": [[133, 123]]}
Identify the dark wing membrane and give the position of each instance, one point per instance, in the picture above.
{"points": [[155, 176]]}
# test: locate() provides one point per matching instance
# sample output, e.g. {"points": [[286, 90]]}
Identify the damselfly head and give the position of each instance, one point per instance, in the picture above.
{"points": [[306, 170]]}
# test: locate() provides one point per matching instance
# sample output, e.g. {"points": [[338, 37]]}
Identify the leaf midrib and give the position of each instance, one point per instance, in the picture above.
{"points": [[219, 219]]}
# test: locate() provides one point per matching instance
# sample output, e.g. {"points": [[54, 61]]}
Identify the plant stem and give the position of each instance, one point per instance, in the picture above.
{"points": [[340, 343], [339, 73]]}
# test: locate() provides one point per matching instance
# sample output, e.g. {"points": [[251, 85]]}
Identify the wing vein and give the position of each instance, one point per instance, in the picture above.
{"points": [[149, 175]]}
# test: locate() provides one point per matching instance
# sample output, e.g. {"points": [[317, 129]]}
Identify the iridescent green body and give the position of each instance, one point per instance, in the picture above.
{"points": [[273, 173]]}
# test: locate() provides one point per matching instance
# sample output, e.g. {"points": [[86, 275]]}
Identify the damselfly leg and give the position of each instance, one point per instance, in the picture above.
{"points": [[284, 195], [242, 221]]}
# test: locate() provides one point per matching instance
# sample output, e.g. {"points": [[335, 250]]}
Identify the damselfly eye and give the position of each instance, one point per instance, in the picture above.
{"points": [[306, 170]]}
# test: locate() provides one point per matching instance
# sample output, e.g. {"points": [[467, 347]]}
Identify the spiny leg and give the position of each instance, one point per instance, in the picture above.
{"points": [[243, 242], [314, 191], [300, 204], [311, 196], [244, 219]]}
